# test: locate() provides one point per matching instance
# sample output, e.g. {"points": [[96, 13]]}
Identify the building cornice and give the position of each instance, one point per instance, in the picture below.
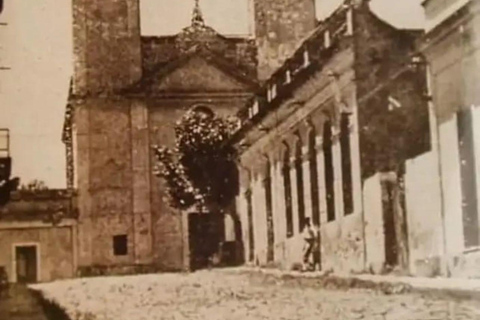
{"points": [[333, 34], [432, 24], [23, 225]]}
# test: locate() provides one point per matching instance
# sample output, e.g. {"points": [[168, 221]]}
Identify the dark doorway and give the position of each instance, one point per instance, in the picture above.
{"points": [[251, 239], [269, 208], [395, 221], [206, 232], [26, 261], [329, 173]]}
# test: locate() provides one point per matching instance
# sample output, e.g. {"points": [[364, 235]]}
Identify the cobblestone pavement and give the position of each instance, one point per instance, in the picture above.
{"points": [[18, 303], [225, 295]]}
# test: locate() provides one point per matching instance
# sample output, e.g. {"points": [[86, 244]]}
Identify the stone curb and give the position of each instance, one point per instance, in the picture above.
{"points": [[385, 286]]}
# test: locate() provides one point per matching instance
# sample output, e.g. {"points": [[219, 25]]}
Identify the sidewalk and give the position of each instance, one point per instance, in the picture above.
{"points": [[453, 287]]}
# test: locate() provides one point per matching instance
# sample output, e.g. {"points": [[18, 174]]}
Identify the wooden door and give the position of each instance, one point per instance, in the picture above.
{"points": [[395, 221], [26, 264]]}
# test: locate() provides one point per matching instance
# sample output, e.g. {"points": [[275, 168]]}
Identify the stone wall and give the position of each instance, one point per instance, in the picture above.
{"points": [[287, 128], [374, 230], [118, 192], [117, 124], [393, 114], [55, 248], [384, 134], [279, 28], [425, 223], [168, 225], [104, 179], [158, 51], [106, 38], [452, 53]]}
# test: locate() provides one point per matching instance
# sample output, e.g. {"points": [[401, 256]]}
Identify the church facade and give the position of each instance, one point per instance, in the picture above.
{"points": [[338, 121], [126, 95]]}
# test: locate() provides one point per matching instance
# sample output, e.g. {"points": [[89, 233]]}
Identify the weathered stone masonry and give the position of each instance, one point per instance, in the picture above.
{"points": [[337, 121], [346, 71], [451, 50], [127, 93], [43, 221]]}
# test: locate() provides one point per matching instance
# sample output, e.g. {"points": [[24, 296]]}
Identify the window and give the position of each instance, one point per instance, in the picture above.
{"points": [[468, 178], [203, 110], [312, 159], [329, 174], [346, 163], [300, 190], [287, 186], [120, 245]]}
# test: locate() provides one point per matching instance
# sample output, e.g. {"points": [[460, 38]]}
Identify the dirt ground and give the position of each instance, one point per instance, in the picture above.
{"points": [[222, 295]]}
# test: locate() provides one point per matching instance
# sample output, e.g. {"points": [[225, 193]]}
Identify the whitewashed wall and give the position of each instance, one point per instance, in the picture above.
{"points": [[476, 139], [374, 231], [450, 168], [424, 215]]}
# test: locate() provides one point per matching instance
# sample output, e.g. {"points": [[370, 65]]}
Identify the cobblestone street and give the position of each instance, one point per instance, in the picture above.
{"points": [[224, 294]]}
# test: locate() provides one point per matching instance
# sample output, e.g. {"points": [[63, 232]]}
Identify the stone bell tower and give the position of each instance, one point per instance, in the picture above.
{"points": [[106, 36], [280, 25], [127, 93], [110, 136]]}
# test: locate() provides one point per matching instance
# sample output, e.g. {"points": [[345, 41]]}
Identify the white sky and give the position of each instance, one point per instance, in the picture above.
{"points": [[36, 45]]}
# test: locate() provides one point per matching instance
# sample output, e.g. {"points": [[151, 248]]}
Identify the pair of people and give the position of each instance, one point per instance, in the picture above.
{"points": [[310, 236]]}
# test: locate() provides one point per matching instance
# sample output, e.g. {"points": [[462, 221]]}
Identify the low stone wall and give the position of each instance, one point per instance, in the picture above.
{"points": [[99, 270]]}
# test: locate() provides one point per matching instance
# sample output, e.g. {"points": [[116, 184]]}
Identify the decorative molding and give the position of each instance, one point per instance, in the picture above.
{"points": [[38, 224]]}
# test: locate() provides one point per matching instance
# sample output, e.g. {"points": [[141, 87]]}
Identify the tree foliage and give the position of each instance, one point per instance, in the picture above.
{"points": [[201, 170], [34, 185]]}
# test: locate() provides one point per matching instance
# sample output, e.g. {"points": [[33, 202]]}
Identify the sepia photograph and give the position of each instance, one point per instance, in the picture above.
{"points": [[239, 159]]}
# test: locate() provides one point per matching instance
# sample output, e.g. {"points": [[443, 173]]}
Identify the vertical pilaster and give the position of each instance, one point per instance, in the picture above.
{"points": [[142, 235], [338, 182], [82, 123], [306, 182], [321, 182], [293, 179]]}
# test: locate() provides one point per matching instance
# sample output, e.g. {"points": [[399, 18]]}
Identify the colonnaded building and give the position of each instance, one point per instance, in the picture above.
{"points": [[365, 126], [373, 132]]}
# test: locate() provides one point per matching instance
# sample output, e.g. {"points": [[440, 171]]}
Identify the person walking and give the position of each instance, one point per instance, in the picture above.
{"points": [[309, 242], [316, 248]]}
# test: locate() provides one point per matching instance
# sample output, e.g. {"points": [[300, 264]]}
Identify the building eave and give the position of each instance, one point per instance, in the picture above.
{"points": [[310, 57]]}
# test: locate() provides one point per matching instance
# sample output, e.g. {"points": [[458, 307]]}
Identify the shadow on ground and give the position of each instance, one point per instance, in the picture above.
{"points": [[18, 302]]}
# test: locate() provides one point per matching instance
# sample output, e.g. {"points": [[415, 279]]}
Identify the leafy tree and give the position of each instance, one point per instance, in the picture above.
{"points": [[201, 170]]}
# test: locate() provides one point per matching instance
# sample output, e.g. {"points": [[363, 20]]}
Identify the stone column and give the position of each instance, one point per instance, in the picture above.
{"points": [[293, 179], [337, 169], [321, 182], [307, 185]]}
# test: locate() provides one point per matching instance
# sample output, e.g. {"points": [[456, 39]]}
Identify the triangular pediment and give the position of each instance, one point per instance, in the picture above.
{"points": [[197, 74]]}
